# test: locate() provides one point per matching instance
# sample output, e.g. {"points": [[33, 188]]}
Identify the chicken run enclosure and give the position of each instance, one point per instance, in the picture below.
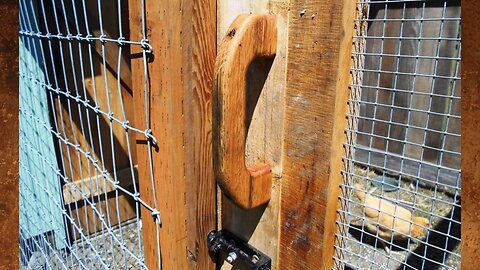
{"points": [[338, 122]]}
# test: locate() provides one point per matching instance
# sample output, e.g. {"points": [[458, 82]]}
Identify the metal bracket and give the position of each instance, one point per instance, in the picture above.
{"points": [[237, 251]]}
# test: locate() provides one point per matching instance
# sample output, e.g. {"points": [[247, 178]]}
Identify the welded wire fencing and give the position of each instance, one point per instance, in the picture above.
{"points": [[400, 198], [80, 205]]}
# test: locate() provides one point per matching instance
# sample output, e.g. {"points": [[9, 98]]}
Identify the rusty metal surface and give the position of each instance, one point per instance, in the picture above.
{"points": [[9, 135], [470, 134]]}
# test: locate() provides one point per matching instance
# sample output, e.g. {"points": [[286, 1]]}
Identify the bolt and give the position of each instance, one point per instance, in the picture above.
{"points": [[231, 257]]}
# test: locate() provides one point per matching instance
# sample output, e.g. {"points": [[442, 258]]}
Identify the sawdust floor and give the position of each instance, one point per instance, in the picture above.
{"points": [[103, 252]]}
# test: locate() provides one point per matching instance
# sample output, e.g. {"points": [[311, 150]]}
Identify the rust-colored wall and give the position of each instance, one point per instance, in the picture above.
{"points": [[9, 134], [470, 134]]}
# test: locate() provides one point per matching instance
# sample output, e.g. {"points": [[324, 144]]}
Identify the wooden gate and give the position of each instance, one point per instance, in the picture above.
{"points": [[213, 116], [294, 106]]}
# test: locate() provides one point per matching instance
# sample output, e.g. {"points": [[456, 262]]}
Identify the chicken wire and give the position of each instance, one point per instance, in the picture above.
{"points": [[80, 206], [403, 139]]}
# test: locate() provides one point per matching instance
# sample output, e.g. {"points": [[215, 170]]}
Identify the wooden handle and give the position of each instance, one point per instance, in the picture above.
{"points": [[249, 37]]}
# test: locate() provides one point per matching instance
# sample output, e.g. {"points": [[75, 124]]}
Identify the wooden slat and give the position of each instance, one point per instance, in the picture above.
{"points": [[319, 49], [88, 186], [90, 132], [182, 34], [86, 218], [429, 174], [110, 30], [470, 134], [200, 49], [98, 81]]}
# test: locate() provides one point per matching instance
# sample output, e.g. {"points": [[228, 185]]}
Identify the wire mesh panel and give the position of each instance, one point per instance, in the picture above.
{"points": [[400, 198], [80, 206]]}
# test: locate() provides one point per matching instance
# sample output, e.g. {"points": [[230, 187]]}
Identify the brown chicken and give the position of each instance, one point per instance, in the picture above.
{"points": [[388, 218]]}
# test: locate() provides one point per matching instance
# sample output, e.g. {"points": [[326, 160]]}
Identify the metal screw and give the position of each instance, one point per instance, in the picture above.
{"points": [[231, 257]]}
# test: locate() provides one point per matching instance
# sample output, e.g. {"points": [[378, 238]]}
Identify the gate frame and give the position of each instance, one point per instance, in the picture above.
{"points": [[182, 35], [318, 76]]}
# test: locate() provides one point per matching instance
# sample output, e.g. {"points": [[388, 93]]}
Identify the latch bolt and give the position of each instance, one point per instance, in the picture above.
{"points": [[237, 251]]}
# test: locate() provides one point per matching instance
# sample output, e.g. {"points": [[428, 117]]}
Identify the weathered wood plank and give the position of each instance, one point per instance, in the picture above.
{"points": [[149, 230], [88, 186], [318, 64], [87, 219], [199, 39], [395, 165], [470, 134], [182, 35]]}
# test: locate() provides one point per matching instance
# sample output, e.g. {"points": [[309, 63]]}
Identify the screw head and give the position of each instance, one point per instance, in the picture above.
{"points": [[231, 257]]}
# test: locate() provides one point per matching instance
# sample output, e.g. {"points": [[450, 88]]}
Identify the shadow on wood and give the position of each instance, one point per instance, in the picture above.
{"points": [[257, 74], [243, 222]]}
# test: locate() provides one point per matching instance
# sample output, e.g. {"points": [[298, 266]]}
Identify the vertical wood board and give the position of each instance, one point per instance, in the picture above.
{"points": [[199, 37], [182, 35], [318, 65]]}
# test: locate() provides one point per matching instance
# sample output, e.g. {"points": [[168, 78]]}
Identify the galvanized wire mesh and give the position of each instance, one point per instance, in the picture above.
{"points": [[80, 206], [400, 198]]}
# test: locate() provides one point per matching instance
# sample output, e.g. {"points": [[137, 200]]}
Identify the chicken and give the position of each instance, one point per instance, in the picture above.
{"points": [[390, 219]]}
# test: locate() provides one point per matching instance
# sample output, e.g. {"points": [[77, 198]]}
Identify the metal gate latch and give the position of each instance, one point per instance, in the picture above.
{"points": [[224, 243]]}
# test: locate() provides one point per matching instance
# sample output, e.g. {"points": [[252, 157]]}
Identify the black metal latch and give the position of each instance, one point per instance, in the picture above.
{"points": [[224, 243]]}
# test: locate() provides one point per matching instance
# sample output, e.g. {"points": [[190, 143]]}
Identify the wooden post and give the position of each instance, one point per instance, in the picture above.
{"points": [[470, 134], [182, 34], [318, 65]]}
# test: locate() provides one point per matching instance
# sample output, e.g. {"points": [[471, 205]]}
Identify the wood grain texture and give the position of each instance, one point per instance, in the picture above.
{"points": [[470, 135], [9, 218], [199, 39], [182, 35], [249, 37], [318, 63], [260, 226]]}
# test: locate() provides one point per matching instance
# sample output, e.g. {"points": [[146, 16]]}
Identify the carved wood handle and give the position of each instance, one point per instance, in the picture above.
{"points": [[249, 37]]}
